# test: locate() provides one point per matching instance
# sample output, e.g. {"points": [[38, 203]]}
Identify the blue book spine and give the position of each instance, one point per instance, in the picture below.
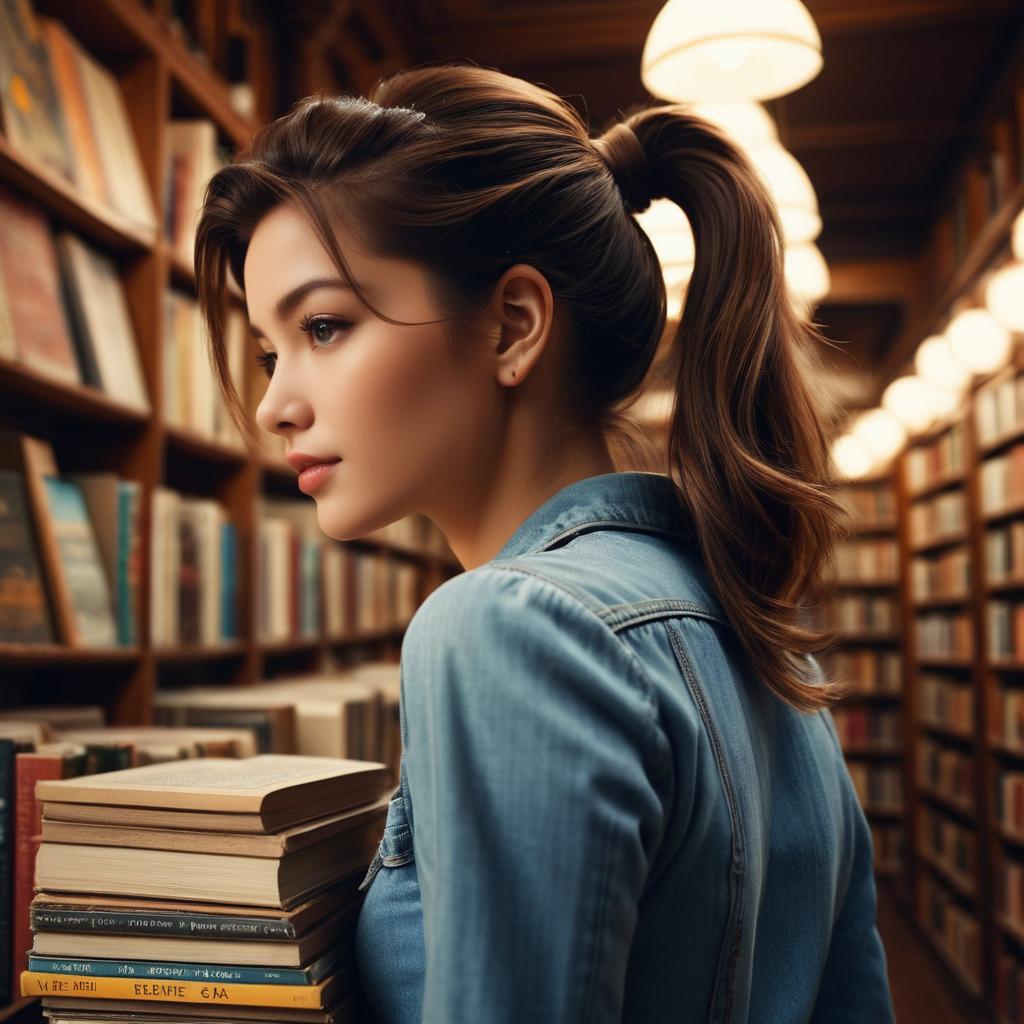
{"points": [[229, 574], [169, 971], [125, 611]]}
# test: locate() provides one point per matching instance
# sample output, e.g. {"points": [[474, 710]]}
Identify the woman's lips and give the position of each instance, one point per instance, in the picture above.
{"points": [[313, 476]]}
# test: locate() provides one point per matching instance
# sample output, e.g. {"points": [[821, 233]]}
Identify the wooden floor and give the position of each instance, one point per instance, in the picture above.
{"points": [[922, 991]]}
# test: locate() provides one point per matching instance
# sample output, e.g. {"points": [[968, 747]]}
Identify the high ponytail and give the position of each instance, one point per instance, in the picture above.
{"points": [[746, 444], [467, 172]]}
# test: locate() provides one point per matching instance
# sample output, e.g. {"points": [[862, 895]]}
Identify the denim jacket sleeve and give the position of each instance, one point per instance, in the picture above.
{"points": [[532, 758]]}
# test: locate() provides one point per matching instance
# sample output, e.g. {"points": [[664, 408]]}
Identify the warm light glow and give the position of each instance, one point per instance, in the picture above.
{"points": [[654, 407], [807, 274], [882, 433], [730, 50], [936, 364], [744, 121], [669, 231], [1017, 237], [916, 402], [1004, 296], [979, 340], [851, 458], [792, 190]]}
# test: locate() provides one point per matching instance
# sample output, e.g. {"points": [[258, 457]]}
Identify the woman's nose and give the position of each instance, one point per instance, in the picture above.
{"points": [[283, 409]]}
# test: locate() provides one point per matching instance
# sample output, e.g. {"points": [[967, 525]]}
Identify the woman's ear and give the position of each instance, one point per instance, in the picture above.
{"points": [[524, 307]]}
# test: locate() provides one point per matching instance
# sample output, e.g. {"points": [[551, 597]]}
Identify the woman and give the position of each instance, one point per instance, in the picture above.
{"points": [[622, 795]]}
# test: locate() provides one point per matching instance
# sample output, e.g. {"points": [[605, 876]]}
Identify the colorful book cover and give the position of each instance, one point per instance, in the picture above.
{"points": [[81, 563], [24, 613]]}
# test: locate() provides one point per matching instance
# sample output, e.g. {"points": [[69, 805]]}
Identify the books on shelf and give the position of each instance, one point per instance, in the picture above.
{"points": [[944, 635], [271, 928], [82, 593], [879, 786], [937, 518], [946, 703], [953, 929], [946, 771], [866, 613], [946, 576], [937, 460], [1004, 552], [191, 397], [867, 560], [194, 571], [869, 506], [868, 728], [1001, 481], [194, 155]]}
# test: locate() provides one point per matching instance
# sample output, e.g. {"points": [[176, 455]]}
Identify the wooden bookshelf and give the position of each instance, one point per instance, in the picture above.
{"points": [[868, 580], [166, 70]]}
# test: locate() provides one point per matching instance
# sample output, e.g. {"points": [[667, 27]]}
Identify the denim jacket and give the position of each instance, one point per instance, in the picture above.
{"points": [[602, 814]]}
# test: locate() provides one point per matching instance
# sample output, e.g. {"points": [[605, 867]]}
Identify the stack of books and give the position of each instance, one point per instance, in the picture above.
{"points": [[218, 889]]}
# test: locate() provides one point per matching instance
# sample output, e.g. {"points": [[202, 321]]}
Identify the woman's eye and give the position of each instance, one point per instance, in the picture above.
{"points": [[268, 360], [323, 330]]}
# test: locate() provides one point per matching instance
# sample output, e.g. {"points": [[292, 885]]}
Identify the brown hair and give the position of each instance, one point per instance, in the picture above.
{"points": [[469, 171]]}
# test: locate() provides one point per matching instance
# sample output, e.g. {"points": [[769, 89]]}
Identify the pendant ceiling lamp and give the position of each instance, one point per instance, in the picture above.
{"points": [[730, 50], [792, 190], [744, 121]]}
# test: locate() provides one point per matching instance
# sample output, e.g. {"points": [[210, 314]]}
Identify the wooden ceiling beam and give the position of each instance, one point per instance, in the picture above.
{"points": [[846, 135], [869, 282], [567, 32]]}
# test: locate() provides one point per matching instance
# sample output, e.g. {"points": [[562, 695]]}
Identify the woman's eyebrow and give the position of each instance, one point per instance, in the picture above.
{"points": [[287, 303]]}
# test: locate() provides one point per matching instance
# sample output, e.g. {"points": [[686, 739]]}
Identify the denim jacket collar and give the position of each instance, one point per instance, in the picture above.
{"points": [[629, 500]]}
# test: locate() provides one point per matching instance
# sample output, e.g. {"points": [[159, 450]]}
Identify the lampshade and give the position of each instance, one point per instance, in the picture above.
{"points": [[1004, 296], [916, 402], [792, 190], [672, 237], [851, 458], [807, 275], [935, 363], [882, 433], [979, 340], [730, 50], [745, 121]]}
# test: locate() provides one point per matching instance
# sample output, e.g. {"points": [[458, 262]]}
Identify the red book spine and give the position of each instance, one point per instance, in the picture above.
{"points": [[28, 826]]}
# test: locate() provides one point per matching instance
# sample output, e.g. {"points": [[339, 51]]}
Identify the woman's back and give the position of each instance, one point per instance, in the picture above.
{"points": [[603, 814]]}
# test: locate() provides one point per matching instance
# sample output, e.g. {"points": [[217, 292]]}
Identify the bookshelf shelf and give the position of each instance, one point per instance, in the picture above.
{"points": [[90, 218], [227, 650], [58, 656], [187, 443], [19, 382]]}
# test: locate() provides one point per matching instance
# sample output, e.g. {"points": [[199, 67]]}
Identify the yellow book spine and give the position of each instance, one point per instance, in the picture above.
{"points": [[38, 983]]}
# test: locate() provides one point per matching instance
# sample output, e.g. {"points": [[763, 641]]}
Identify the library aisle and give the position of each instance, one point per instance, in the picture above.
{"points": [[168, 592]]}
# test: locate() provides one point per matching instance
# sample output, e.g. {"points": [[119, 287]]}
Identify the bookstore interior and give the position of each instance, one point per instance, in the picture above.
{"points": [[167, 593]]}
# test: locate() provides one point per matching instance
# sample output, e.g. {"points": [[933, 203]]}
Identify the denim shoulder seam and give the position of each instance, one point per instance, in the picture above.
{"points": [[638, 677]]}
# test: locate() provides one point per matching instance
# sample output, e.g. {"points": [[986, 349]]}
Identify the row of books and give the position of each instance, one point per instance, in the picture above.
{"points": [[1009, 807], [868, 560], [866, 670], [64, 109], [947, 771], [1010, 892], [860, 727], [59, 742], [879, 786], [944, 635], [1009, 988], [1005, 629], [948, 843], [69, 550], [946, 704], [999, 408], [869, 507], [953, 929], [63, 309], [944, 457], [229, 885], [310, 585], [1001, 481], [191, 397], [194, 571], [947, 575], [1004, 552], [889, 841], [350, 713], [937, 517], [863, 613], [1008, 719]]}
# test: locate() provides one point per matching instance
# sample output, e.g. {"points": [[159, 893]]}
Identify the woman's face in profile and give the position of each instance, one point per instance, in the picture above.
{"points": [[395, 419]]}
